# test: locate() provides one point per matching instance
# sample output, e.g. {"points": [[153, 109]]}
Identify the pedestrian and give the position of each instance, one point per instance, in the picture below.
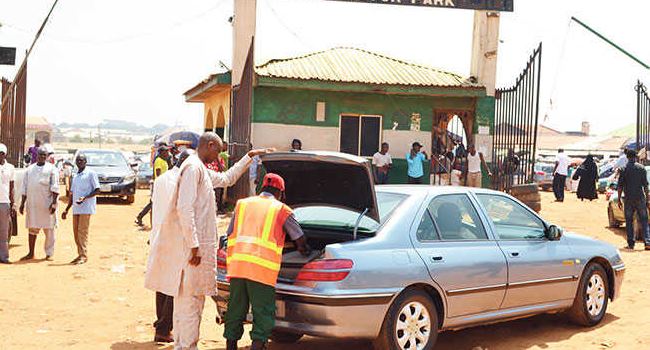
{"points": [[254, 256], [382, 162], [633, 182], [296, 145], [184, 265], [84, 188], [560, 173], [162, 246], [254, 173], [587, 174], [40, 193], [220, 191], [6, 203], [509, 167], [32, 152], [475, 160], [161, 164], [414, 160], [458, 166]]}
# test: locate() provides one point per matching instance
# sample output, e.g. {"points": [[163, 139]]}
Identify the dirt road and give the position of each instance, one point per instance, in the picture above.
{"points": [[102, 304]]}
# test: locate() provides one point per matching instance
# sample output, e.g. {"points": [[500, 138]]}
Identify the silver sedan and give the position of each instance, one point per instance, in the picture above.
{"points": [[399, 264]]}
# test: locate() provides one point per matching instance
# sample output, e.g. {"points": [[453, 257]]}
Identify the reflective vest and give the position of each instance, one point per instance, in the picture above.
{"points": [[256, 242]]}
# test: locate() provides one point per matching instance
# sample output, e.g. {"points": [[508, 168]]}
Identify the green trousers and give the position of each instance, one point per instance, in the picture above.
{"points": [[261, 298]]}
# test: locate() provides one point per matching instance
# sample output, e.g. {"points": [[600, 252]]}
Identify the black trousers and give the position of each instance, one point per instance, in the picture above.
{"points": [[415, 180], [164, 313], [145, 210], [559, 181]]}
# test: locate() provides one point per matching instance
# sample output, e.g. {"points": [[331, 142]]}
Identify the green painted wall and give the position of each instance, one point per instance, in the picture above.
{"points": [[293, 106]]}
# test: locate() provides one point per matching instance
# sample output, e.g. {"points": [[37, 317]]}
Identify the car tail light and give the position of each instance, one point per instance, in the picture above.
{"points": [[329, 270], [540, 173], [222, 256]]}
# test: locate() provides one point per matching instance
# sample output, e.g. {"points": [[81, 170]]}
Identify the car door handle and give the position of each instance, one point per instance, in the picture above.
{"points": [[514, 254], [437, 258]]}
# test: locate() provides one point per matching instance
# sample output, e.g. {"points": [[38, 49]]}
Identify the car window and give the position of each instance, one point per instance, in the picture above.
{"points": [[455, 218], [427, 229], [511, 220]]}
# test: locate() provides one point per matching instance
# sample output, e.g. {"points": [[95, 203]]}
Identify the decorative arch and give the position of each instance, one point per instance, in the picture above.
{"points": [[220, 125], [209, 121]]}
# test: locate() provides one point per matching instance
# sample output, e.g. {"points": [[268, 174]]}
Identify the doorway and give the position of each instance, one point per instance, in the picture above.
{"points": [[450, 136]]}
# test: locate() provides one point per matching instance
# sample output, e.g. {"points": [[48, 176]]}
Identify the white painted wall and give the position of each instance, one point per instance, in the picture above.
{"points": [[323, 138]]}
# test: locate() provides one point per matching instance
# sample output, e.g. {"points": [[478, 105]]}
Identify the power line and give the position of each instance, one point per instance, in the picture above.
{"points": [[291, 31]]}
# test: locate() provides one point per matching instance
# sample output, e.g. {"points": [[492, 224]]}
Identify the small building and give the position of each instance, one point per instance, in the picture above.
{"points": [[38, 128], [351, 100]]}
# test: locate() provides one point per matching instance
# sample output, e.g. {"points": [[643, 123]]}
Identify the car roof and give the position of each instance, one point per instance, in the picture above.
{"points": [[420, 189]]}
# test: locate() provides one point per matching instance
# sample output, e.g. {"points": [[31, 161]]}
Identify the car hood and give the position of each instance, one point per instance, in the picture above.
{"points": [[110, 171], [325, 178]]}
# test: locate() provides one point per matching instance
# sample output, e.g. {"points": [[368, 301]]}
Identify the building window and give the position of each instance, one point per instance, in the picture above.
{"points": [[320, 111], [360, 134]]}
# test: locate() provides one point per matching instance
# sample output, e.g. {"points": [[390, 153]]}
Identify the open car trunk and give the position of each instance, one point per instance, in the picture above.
{"points": [[322, 179]]}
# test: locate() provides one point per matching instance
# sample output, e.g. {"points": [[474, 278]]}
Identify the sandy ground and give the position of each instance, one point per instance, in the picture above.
{"points": [[102, 305]]}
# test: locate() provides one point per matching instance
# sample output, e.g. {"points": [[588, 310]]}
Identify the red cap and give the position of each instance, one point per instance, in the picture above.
{"points": [[273, 180]]}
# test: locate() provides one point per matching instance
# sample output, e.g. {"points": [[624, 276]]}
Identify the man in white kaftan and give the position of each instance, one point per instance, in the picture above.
{"points": [[40, 193], [182, 263]]}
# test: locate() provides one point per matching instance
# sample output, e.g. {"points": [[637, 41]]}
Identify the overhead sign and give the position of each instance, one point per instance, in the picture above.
{"points": [[8, 55], [488, 5]]}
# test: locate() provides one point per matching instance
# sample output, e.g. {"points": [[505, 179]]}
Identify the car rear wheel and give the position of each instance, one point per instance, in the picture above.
{"points": [[284, 337], [590, 304], [610, 217], [410, 324]]}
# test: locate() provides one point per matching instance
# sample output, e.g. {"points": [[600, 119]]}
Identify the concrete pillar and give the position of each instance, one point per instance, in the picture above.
{"points": [[485, 43], [243, 36]]}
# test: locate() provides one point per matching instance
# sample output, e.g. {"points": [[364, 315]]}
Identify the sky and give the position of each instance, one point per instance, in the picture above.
{"points": [[125, 59]]}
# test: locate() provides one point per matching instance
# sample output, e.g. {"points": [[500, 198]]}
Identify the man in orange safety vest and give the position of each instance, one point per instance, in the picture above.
{"points": [[255, 241]]}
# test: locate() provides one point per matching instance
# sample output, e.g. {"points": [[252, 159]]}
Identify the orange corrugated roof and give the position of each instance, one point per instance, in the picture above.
{"points": [[351, 65]]}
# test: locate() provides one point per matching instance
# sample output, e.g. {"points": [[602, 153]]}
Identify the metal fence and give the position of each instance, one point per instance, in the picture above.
{"points": [[12, 116], [642, 119], [515, 127]]}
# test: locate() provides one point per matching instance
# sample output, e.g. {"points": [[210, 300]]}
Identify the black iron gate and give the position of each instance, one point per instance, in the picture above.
{"points": [[642, 121], [515, 127]]}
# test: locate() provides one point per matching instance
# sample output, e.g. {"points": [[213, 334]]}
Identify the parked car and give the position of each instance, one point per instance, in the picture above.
{"points": [[544, 175], [397, 264], [145, 175], [616, 216], [116, 177]]}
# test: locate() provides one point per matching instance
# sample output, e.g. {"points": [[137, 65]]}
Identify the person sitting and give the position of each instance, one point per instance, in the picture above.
{"points": [[450, 222]]}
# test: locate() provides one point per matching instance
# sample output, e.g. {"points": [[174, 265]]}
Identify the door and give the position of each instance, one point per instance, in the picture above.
{"points": [[469, 267], [360, 135], [539, 270]]}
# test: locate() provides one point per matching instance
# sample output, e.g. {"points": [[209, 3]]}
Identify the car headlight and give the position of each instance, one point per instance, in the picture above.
{"points": [[129, 178]]}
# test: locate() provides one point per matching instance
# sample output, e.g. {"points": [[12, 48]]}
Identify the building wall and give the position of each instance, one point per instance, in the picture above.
{"points": [[216, 109], [282, 114]]}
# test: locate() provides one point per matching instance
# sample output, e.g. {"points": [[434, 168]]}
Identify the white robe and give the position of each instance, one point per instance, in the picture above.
{"points": [[184, 216], [38, 184]]}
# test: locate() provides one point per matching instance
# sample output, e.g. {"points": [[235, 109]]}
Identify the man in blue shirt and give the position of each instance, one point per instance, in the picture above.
{"points": [[83, 189], [414, 160]]}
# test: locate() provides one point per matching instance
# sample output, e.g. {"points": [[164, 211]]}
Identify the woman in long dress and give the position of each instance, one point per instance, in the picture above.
{"points": [[588, 174]]}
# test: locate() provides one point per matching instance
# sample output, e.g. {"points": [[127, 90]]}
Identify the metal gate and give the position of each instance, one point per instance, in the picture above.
{"points": [[449, 142], [642, 121], [515, 127]]}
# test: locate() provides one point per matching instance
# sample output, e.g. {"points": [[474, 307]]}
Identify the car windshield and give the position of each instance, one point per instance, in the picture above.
{"points": [[547, 168], [105, 159], [344, 219]]}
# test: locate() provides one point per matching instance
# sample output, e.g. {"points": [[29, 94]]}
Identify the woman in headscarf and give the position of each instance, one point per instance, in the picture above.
{"points": [[588, 174]]}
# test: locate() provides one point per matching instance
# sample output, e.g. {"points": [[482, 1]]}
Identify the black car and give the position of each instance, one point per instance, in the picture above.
{"points": [[116, 176]]}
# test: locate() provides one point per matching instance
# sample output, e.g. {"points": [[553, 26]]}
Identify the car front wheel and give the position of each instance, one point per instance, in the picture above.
{"points": [[590, 304], [411, 323]]}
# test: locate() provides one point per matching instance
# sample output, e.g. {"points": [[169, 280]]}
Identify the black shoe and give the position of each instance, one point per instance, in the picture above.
{"points": [[159, 338], [75, 261], [5, 262], [231, 345], [138, 221], [258, 345]]}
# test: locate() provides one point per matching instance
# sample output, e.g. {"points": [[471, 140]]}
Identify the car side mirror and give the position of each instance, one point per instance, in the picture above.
{"points": [[553, 233]]}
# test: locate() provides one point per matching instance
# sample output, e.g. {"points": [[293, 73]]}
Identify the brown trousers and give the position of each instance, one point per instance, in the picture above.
{"points": [[80, 224]]}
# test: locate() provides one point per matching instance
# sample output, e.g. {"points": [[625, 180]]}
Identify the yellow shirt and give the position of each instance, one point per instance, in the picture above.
{"points": [[160, 164]]}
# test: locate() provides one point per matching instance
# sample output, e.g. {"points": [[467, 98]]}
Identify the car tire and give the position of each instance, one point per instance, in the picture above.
{"points": [[405, 308], [590, 304], [610, 218], [285, 337], [130, 199]]}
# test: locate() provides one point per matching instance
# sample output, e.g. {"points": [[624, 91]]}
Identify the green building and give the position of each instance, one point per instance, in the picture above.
{"points": [[352, 100]]}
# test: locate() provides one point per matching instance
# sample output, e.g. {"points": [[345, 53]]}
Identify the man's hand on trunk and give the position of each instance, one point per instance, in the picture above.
{"points": [[303, 247]]}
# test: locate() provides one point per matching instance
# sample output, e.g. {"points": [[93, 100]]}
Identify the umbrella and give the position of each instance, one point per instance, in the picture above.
{"points": [[171, 137]]}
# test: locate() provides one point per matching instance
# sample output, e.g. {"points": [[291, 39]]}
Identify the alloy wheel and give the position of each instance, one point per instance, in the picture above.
{"points": [[413, 327], [595, 295]]}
